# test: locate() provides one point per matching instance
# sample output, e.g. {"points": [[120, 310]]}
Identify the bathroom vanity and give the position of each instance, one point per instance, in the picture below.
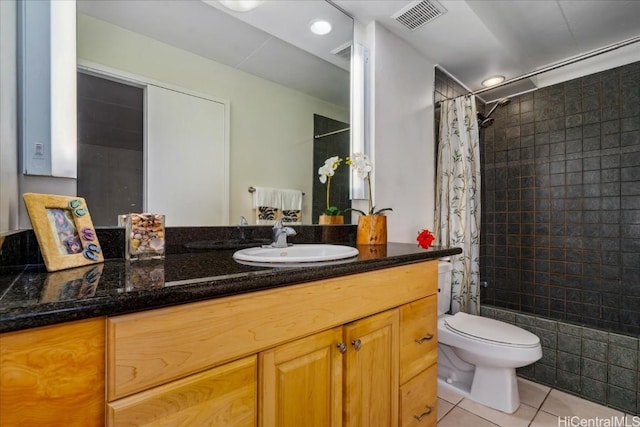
{"points": [[219, 343]]}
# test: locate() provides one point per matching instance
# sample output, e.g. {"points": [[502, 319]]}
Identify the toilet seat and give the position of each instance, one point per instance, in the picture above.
{"points": [[490, 330]]}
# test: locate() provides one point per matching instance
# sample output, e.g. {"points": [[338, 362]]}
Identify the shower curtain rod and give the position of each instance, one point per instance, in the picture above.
{"points": [[331, 133], [557, 65]]}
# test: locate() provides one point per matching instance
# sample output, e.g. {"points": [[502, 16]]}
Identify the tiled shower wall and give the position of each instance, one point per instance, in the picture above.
{"points": [[561, 202], [110, 144], [560, 242], [324, 148], [597, 365]]}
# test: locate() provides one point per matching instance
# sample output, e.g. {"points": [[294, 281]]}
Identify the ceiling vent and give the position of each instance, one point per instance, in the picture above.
{"points": [[343, 51], [418, 13]]}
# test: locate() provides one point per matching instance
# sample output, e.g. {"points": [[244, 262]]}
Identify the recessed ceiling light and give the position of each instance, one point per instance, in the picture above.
{"points": [[240, 5], [492, 81], [320, 27]]}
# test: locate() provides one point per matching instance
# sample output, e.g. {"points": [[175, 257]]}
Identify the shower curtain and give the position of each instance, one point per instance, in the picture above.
{"points": [[458, 198]]}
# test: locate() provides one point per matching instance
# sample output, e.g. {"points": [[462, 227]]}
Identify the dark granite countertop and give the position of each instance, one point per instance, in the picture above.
{"points": [[31, 297]]}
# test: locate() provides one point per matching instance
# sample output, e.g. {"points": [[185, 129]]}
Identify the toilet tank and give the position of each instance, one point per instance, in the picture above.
{"points": [[444, 286]]}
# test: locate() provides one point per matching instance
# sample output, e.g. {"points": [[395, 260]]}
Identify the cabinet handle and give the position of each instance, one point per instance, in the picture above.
{"points": [[342, 347], [425, 338], [424, 414], [357, 344]]}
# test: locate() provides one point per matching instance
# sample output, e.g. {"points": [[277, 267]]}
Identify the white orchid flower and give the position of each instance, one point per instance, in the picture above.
{"points": [[363, 166], [326, 171], [329, 167]]}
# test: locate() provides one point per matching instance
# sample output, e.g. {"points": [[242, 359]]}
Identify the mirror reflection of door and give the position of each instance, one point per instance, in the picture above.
{"points": [[110, 147], [128, 137], [331, 138], [186, 158]]}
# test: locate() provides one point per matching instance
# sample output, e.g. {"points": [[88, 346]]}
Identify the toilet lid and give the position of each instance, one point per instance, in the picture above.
{"points": [[491, 330]]}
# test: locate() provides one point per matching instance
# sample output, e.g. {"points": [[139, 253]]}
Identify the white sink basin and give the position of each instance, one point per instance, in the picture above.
{"points": [[296, 254]]}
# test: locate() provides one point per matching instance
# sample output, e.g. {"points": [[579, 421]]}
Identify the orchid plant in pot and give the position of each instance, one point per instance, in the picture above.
{"points": [[372, 225], [332, 213]]}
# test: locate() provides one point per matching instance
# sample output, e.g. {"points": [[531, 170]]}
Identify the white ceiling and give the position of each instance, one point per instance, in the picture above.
{"points": [[272, 41], [474, 39]]}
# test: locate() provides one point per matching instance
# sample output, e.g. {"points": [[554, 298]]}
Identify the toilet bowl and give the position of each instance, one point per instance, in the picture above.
{"points": [[478, 356]]}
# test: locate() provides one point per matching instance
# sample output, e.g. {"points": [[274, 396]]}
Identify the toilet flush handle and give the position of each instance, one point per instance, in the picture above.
{"points": [[427, 337]]}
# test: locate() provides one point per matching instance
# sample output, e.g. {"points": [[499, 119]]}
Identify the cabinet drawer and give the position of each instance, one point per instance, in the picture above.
{"points": [[419, 400], [418, 336], [222, 396]]}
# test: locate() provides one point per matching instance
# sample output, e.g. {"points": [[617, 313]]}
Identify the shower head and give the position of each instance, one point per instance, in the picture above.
{"points": [[486, 121]]}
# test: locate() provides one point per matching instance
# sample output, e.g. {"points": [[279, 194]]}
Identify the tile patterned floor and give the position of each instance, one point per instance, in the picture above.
{"points": [[540, 406]]}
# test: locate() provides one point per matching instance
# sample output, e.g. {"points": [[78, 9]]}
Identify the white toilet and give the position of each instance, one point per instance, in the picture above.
{"points": [[478, 356]]}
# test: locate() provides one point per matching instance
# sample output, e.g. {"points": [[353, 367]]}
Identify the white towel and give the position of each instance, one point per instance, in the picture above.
{"points": [[271, 197], [291, 200]]}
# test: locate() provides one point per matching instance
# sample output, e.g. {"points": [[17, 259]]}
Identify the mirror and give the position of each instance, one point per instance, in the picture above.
{"points": [[275, 75]]}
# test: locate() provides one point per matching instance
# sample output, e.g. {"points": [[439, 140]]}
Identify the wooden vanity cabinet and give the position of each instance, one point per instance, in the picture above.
{"points": [[301, 381], [345, 376], [340, 351], [356, 350], [325, 353], [53, 376]]}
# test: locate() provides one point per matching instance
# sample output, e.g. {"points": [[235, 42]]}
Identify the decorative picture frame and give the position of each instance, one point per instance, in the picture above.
{"points": [[64, 230]]}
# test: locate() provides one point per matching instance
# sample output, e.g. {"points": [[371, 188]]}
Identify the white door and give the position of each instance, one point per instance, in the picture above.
{"points": [[190, 189]]}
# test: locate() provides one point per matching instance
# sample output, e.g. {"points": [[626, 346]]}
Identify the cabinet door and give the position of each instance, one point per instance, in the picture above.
{"points": [[222, 396], [301, 382], [371, 371], [418, 336], [53, 376]]}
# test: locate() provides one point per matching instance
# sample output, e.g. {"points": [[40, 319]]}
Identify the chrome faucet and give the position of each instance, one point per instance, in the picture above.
{"points": [[241, 229], [280, 234]]}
